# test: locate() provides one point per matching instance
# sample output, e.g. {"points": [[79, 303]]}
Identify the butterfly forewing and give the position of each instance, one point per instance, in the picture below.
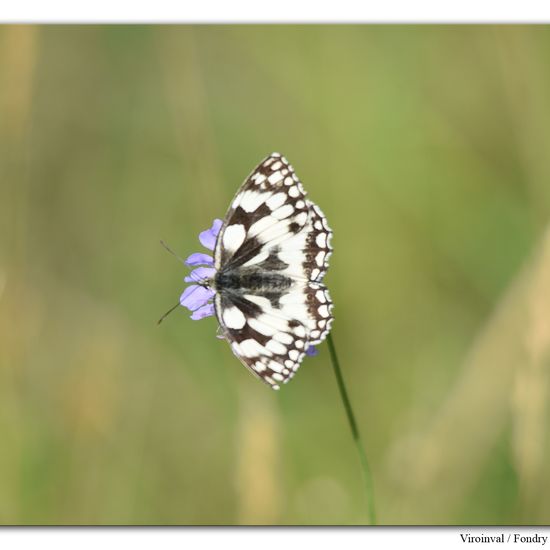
{"points": [[269, 207], [271, 255]]}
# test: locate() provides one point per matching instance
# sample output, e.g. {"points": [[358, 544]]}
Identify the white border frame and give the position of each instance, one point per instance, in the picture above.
{"points": [[282, 11]]}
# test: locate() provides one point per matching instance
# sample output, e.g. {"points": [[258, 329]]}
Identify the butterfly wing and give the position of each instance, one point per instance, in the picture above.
{"points": [[269, 207], [270, 337]]}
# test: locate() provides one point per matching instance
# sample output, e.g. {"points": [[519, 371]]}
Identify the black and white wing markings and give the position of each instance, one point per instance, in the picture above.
{"points": [[269, 207], [319, 306], [270, 346], [317, 249], [270, 338], [271, 255]]}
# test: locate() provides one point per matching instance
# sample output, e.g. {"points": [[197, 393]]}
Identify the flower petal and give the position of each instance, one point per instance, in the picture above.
{"points": [[199, 259], [216, 226], [208, 237], [312, 351], [204, 311], [195, 296], [200, 274]]}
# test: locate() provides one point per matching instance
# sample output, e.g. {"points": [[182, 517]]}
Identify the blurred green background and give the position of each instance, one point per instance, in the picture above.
{"points": [[427, 147]]}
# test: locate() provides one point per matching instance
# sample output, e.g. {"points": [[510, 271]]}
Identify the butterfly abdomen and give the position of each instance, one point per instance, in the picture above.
{"points": [[251, 280]]}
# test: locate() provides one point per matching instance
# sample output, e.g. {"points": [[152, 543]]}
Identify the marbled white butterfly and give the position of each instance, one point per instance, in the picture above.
{"points": [[270, 257]]}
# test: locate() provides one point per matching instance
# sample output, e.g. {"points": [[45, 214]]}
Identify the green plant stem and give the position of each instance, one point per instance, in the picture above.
{"points": [[355, 433]]}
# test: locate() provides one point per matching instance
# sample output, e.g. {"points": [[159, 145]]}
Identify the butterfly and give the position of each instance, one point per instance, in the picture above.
{"points": [[270, 257]]}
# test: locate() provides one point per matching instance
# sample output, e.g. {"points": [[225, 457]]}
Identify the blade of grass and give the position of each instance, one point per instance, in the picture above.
{"points": [[367, 476]]}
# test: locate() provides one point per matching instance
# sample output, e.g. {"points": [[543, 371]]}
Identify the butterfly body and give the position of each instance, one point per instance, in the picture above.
{"points": [[251, 279], [270, 257]]}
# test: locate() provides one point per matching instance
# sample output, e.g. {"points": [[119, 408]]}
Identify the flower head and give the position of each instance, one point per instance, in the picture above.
{"points": [[312, 351], [197, 298]]}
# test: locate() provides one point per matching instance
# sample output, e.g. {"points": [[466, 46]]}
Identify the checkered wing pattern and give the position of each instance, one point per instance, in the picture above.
{"points": [[271, 255]]}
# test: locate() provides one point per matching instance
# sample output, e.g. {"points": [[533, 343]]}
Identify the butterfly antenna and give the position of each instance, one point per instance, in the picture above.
{"points": [[173, 308], [172, 252], [167, 313]]}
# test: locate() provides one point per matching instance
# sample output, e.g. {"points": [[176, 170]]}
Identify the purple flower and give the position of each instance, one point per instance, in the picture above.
{"points": [[198, 258], [312, 351], [200, 274], [208, 237], [198, 297]]}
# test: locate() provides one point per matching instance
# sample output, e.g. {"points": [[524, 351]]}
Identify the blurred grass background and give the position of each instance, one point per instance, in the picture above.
{"points": [[428, 149]]}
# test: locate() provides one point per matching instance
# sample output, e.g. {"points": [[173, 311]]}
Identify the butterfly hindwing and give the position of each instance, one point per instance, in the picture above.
{"points": [[270, 335], [317, 250], [270, 346]]}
